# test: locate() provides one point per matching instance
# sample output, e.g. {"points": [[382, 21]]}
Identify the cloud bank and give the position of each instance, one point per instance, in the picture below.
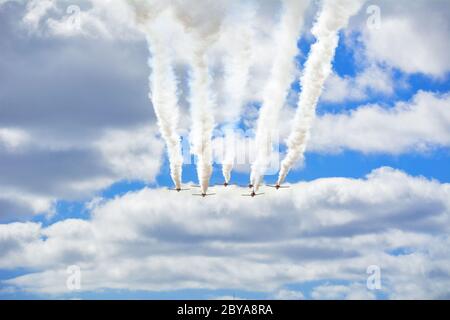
{"points": [[331, 228]]}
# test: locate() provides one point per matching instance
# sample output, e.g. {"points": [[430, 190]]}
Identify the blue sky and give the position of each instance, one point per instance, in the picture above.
{"points": [[84, 171]]}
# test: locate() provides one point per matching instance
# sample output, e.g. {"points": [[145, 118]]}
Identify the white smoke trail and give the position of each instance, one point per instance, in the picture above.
{"points": [[202, 118], [163, 87], [203, 24], [277, 87], [333, 17], [163, 83], [236, 71], [230, 153]]}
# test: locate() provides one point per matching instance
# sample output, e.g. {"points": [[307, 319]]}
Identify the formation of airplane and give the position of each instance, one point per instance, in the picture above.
{"points": [[226, 184]]}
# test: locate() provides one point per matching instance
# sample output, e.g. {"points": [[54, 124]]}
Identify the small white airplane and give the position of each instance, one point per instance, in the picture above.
{"points": [[178, 189], [253, 194], [225, 184], [203, 194], [277, 186]]}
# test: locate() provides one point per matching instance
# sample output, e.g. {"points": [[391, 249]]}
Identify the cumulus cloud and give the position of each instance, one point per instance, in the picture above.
{"points": [[13, 139], [330, 228], [74, 118], [131, 154], [401, 41], [372, 80], [418, 125], [16, 203], [36, 10], [35, 177], [412, 36]]}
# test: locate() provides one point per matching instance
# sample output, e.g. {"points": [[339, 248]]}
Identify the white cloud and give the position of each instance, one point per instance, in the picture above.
{"points": [[418, 126], [16, 203], [36, 10], [325, 229], [16, 234], [413, 36], [107, 19], [13, 139], [373, 80], [133, 154]]}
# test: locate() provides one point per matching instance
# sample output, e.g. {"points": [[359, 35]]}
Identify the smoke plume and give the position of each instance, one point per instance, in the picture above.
{"points": [[203, 24], [333, 16], [237, 65], [163, 86], [163, 83], [277, 87]]}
